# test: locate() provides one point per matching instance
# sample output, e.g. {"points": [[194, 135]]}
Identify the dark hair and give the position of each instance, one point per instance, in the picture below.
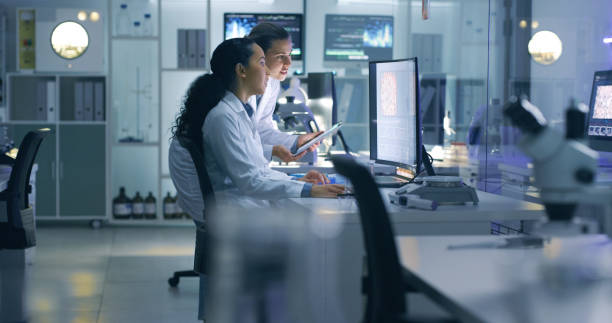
{"points": [[265, 33], [207, 90]]}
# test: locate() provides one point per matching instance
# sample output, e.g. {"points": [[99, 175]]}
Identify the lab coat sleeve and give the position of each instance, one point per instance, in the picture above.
{"points": [[228, 148], [268, 131]]}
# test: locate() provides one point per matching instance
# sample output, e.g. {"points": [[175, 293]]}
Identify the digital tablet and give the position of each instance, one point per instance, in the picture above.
{"points": [[331, 131]]}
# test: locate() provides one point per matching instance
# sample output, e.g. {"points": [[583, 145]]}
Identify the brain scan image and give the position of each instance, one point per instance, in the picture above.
{"points": [[388, 94]]}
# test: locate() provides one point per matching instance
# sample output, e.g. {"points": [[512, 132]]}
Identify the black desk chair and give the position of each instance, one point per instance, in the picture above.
{"points": [[19, 231], [385, 285], [208, 195]]}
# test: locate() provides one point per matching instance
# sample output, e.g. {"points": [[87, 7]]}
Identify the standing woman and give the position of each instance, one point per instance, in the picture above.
{"points": [[276, 44]]}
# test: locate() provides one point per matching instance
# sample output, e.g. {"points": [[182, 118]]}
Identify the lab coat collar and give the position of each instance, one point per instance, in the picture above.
{"points": [[234, 102]]}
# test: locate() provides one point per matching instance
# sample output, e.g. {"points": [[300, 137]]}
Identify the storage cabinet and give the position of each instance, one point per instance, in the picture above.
{"points": [[72, 165]]}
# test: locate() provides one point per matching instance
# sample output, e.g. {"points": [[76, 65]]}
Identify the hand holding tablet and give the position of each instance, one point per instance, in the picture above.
{"points": [[319, 138]]}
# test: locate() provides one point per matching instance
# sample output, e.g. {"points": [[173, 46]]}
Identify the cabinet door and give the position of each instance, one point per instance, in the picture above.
{"points": [[82, 172], [46, 179]]}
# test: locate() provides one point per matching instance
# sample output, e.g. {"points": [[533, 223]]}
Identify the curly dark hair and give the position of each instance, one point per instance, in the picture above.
{"points": [[207, 90]]}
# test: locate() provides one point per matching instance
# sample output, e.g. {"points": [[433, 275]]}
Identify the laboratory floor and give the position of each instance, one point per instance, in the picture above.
{"points": [[114, 274]]}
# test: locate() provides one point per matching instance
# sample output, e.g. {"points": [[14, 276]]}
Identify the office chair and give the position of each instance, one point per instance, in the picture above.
{"points": [[385, 285], [197, 155], [19, 231]]}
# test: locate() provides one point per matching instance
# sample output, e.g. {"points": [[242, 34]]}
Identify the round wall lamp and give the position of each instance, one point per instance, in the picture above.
{"points": [[545, 47], [69, 40]]}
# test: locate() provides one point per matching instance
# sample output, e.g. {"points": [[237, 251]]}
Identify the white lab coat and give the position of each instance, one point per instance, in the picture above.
{"points": [[235, 160], [266, 126]]}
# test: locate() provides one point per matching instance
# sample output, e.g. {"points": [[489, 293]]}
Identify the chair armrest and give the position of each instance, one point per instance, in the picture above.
{"points": [[6, 160]]}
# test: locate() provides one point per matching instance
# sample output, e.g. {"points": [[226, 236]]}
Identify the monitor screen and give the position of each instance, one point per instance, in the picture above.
{"points": [[240, 24], [395, 126], [358, 38], [599, 129]]}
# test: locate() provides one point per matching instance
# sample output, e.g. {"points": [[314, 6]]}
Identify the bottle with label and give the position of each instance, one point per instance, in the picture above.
{"points": [[147, 25], [169, 207], [150, 207], [179, 211], [137, 207], [122, 206], [123, 21]]}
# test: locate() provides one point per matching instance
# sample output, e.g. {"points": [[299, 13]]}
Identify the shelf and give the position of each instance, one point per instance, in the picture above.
{"points": [[30, 122], [135, 38], [132, 144], [152, 222], [74, 122], [185, 70]]}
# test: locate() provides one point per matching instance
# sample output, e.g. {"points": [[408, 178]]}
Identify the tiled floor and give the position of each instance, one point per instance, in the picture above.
{"points": [[114, 274]]}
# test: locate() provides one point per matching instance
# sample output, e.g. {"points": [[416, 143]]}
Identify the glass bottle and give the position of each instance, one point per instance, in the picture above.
{"points": [[137, 207], [169, 207], [123, 21], [150, 206], [122, 208], [147, 25], [136, 29]]}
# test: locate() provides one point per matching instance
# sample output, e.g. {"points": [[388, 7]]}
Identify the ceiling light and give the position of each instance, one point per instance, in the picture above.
{"points": [[545, 47], [82, 15], [94, 16]]}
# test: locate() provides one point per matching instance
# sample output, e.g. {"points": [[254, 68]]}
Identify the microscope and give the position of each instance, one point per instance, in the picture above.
{"points": [[564, 167], [298, 117]]}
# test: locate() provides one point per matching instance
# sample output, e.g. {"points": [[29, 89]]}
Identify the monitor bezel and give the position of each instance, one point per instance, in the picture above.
{"points": [[303, 51], [416, 167], [598, 143], [361, 63]]}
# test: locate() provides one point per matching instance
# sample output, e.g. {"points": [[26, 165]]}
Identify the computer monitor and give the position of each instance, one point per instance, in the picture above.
{"points": [[357, 39], [240, 24], [395, 121], [599, 129]]}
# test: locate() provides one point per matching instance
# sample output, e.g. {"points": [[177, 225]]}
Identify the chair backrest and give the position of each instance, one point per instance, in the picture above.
{"points": [[19, 182], [197, 155], [386, 301]]}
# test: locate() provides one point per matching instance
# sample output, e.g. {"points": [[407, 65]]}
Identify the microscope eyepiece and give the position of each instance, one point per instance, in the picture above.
{"points": [[524, 115]]}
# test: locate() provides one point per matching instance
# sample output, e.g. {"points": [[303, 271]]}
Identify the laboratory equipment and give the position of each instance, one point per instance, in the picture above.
{"points": [[122, 27], [444, 190], [395, 122], [564, 168]]}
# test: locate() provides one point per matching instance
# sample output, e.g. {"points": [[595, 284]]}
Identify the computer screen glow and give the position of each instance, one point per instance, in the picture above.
{"points": [[358, 38], [238, 25], [396, 119]]}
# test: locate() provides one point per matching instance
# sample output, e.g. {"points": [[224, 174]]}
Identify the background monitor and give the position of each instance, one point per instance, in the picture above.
{"points": [[240, 24], [358, 38], [395, 126], [599, 129]]}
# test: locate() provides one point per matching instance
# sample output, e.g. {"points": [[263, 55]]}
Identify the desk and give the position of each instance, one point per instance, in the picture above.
{"points": [[342, 246], [507, 285]]}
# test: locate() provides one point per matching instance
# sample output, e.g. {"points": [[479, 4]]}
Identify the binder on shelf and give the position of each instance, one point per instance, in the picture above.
{"points": [[50, 104], [192, 48], [88, 99], [182, 48], [201, 53], [99, 101], [40, 112], [78, 101]]}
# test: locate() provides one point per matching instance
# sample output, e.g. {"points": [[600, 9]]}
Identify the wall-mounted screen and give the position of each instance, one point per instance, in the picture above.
{"points": [[358, 38], [240, 24]]}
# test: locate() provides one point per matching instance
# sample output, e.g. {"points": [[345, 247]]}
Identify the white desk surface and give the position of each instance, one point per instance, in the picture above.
{"points": [[491, 207], [513, 285]]}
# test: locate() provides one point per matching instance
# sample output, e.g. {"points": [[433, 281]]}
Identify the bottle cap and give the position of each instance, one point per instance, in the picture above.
{"points": [[123, 6], [136, 23]]}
